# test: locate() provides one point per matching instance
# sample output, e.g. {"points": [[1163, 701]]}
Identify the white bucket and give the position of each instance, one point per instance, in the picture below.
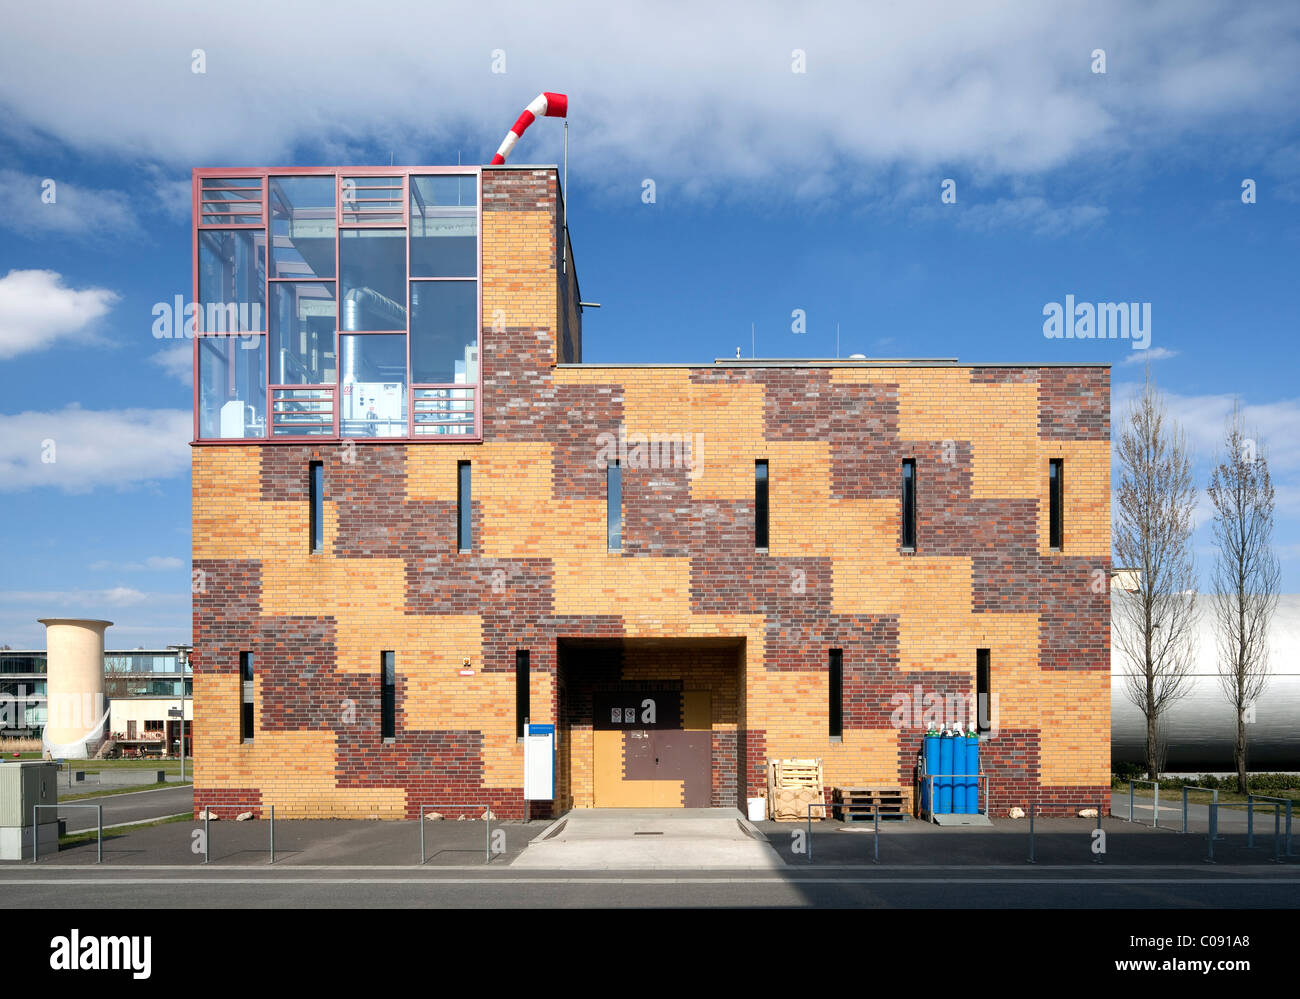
{"points": [[757, 809]]}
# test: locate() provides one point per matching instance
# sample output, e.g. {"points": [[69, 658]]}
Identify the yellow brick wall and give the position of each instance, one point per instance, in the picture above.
{"points": [[521, 517]]}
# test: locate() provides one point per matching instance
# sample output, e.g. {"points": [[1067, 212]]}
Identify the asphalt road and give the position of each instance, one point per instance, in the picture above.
{"points": [[134, 806], [329, 888]]}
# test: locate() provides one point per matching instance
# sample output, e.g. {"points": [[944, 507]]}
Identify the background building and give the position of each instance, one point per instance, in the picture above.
{"points": [[142, 687], [419, 519]]}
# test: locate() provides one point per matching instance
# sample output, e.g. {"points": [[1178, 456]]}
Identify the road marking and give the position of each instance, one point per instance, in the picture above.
{"points": [[775, 881], [952, 872]]}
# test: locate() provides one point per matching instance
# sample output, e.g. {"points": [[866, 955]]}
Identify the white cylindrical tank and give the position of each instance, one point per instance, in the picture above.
{"points": [[75, 705], [1200, 728]]}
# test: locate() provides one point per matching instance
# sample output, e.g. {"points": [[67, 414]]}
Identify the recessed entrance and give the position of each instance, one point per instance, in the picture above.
{"points": [[650, 723]]}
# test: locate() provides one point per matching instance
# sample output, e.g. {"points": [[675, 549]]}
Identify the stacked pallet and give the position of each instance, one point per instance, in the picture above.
{"points": [[867, 802], [791, 786]]}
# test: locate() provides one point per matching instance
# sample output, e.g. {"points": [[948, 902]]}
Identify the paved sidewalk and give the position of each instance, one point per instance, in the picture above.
{"points": [[323, 842], [590, 840]]}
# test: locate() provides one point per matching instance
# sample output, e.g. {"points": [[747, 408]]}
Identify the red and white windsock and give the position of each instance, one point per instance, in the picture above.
{"points": [[545, 105]]}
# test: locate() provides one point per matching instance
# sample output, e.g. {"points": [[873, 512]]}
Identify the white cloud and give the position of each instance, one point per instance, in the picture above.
{"points": [[1151, 354], [1275, 425], [93, 449], [153, 562], [146, 619], [177, 360], [170, 196], [39, 310], [75, 210], [1033, 213], [116, 596], [696, 97]]}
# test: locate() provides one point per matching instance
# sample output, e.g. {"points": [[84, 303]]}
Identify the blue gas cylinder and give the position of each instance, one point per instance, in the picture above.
{"points": [[943, 784]]}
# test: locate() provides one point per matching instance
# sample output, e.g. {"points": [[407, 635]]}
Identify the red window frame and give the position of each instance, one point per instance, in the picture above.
{"points": [[265, 174]]}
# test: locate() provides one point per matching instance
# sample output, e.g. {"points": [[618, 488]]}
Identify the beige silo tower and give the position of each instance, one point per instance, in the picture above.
{"points": [[74, 652]]}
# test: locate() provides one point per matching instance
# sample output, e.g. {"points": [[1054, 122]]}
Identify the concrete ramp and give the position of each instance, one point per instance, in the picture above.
{"points": [[650, 839], [956, 819]]}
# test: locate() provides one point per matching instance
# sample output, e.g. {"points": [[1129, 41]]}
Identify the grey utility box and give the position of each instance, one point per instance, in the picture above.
{"points": [[23, 785]]}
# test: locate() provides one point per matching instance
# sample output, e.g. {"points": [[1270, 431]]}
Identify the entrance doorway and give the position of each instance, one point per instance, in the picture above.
{"points": [[650, 722]]}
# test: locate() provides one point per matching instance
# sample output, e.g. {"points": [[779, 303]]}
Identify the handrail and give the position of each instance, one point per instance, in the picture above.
{"points": [[980, 776], [443, 408]]}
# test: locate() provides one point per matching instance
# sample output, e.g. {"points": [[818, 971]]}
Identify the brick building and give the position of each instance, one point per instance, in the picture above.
{"points": [[419, 518]]}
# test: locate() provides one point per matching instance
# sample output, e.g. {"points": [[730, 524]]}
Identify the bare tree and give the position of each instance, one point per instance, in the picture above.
{"points": [[1155, 622], [1246, 575]]}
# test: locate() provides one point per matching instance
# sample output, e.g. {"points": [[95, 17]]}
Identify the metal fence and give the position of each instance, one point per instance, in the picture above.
{"points": [[99, 830], [1155, 811], [1033, 856], [206, 812], [1214, 801], [1212, 833], [847, 806], [1277, 804], [487, 818]]}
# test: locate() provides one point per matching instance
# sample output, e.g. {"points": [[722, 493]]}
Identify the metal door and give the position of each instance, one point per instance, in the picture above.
{"points": [[650, 758]]}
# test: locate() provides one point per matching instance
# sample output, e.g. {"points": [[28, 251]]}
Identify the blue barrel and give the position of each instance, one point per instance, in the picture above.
{"points": [[943, 785], [973, 782], [931, 767]]}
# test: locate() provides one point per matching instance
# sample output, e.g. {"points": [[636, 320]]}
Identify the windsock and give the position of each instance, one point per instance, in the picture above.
{"points": [[544, 105]]}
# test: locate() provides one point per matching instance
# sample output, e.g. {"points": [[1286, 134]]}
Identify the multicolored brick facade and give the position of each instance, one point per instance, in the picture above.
{"points": [[688, 603]]}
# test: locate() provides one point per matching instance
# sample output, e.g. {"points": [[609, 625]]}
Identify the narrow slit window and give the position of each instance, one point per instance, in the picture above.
{"points": [[835, 667], [246, 696], [464, 509], [909, 504], [983, 707], [316, 489], [521, 691], [388, 695], [760, 505], [1055, 502], [614, 505]]}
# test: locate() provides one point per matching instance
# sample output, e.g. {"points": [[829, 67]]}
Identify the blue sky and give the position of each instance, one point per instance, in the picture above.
{"points": [[775, 190]]}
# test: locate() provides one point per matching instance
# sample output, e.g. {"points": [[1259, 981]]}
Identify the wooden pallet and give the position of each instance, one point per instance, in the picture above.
{"points": [[797, 773], [797, 776], [868, 802]]}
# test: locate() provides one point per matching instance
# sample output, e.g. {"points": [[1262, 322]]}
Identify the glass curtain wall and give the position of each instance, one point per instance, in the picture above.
{"points": [[338, 305]]}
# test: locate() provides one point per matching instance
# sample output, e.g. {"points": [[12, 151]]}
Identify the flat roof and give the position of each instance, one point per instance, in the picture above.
{"points": [[830, 362]]}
